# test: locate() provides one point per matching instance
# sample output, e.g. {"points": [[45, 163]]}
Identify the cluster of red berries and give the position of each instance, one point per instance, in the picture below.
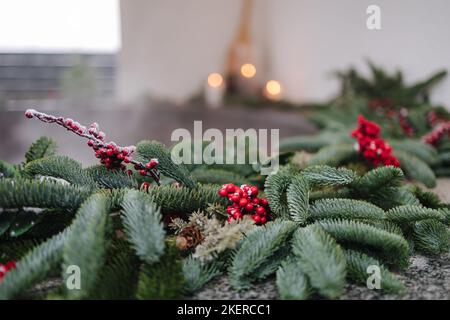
{"points": [[437, 133], [112, 156], [6, 267], [245, 201], [371, 146], [145, 169]]}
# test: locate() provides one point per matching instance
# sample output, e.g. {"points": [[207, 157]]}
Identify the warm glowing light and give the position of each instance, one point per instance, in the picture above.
{"points": [[273, 88], [215, 80], [248, 70]]}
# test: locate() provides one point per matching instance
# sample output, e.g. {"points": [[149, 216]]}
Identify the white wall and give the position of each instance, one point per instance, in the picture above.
{"points": [[169, 46]]}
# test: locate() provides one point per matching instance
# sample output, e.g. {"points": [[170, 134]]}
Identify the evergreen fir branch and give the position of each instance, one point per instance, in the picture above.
{"points": [[118, 277], [46, 194], [85, 245], [41, 148], [8, 170], [257, 247], [346, 209], [423, 151], [321, 259], [393, 197], [330, 193], [60, 167], [431, 236], [197, 273], [381, 186], [409, 213], [423, 87], [298, 199], [275, 187], [323, 176], [379, 179], [416, 169], [291, 281], [271, 265], [386, 225], [217, 176], [357, 264], [33, 267], [427, 198], [333, 155], [111, 179], [185, 200], [142, 222], [147, 150], [393, 248], [164, 279]]}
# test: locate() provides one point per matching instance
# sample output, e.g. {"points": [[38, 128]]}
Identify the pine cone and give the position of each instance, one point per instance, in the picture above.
{"points": [[188, 237]]}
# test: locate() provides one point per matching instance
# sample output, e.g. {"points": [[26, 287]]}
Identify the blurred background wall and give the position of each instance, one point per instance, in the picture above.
{"points": [[169, 46]]}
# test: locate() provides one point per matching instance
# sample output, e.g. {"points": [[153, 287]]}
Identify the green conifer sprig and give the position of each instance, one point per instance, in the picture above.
{"points": [[298, 199], [410, 213], [257, 247], [61, 167], [357, 264], [321, 259], [163, 279], [8, 170], [276, 186], [86, 244], [291, 281], [346, 209], [185, 200], [217, 176], [197, 273], [147, 150], [111, 179], [431, 236], [421, 150], [43, 147], [142, 221], [416, 169], [333, 155], [322, 176], [392, 247], [40, 194]]}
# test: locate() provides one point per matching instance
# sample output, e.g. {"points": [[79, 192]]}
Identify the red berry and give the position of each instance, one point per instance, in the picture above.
{"points": [[260, 210], [235, 198], [256, 218], [264, 202], [230, 188], [249, 207], [243, 202], [263, 220], [223, 192], [255, 201], [254, 191], [126, 160], [143, 172]]}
